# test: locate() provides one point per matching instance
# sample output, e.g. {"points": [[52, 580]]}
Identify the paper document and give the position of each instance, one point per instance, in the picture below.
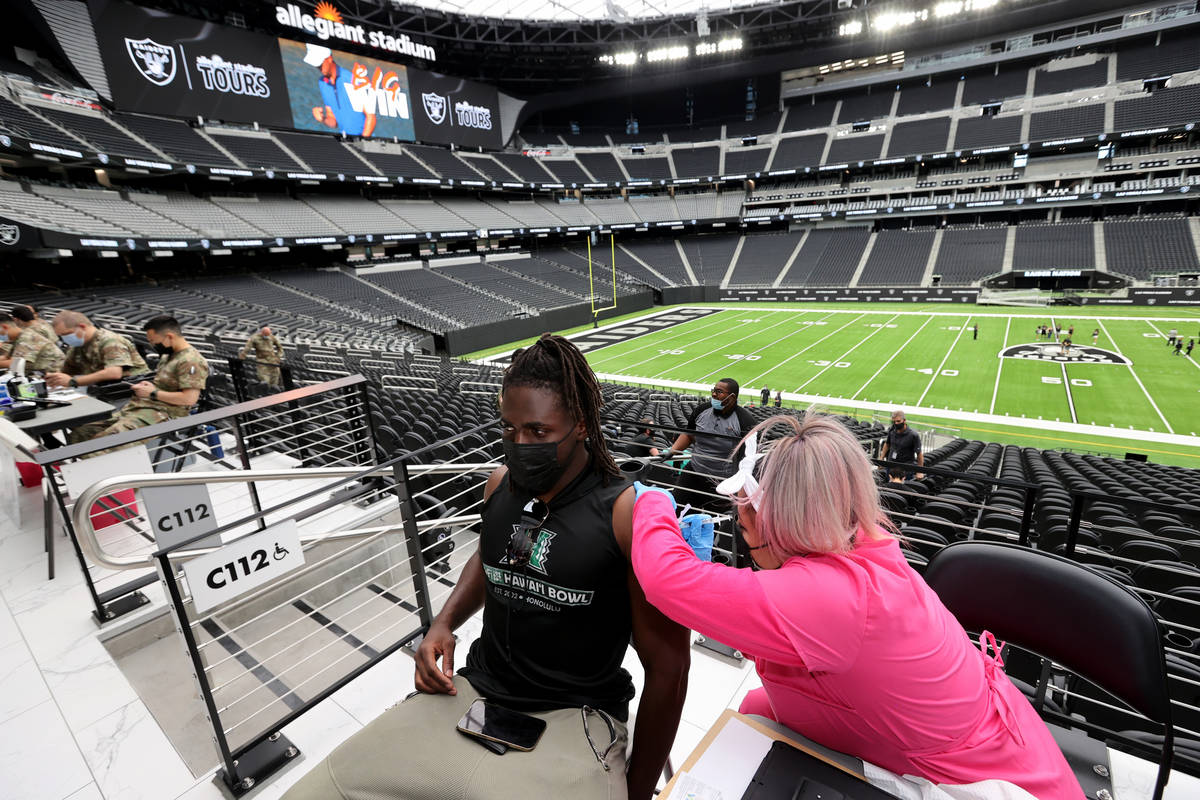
{"points": [[731, 760], [689, 787]]}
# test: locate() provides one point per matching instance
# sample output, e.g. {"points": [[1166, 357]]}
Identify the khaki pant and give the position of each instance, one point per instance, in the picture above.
{"points": [[413, 752], [268, 373], [118, 423]]}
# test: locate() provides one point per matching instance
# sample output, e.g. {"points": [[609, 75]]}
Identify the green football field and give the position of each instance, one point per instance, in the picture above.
{"points": [[931, 363]]}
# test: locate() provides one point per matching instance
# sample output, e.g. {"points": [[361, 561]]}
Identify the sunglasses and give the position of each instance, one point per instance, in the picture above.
{"points": [[520, 544], [520, 550]]}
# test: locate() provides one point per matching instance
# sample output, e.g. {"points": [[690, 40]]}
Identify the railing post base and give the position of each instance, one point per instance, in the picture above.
{"points": [[714, 646], [258, 763], [120, 607]]}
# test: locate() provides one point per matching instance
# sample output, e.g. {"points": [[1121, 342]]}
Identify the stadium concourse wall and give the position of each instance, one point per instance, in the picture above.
{"points": [[469, 340], [893, 295]]}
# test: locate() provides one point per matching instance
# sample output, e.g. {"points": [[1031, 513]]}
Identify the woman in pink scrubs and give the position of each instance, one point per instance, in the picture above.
{"points": [[854, 650]]}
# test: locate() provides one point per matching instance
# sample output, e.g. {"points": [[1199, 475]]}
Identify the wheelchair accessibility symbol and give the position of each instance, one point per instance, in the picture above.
{"points": [[280, 552]]}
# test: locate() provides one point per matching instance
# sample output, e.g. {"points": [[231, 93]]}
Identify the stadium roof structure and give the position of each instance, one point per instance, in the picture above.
{"points": [[617, 10]]}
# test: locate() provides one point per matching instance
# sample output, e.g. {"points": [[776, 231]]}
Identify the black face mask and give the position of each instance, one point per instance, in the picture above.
{"points": [[535, 467], [899, 426], [162, 349]]}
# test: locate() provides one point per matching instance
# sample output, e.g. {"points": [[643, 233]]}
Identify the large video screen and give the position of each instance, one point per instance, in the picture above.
{"points": [[336, 92], [454, 110], [160, 63]]}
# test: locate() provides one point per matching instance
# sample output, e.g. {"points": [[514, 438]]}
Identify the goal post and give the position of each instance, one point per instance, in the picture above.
{"points": [[592, 275]]}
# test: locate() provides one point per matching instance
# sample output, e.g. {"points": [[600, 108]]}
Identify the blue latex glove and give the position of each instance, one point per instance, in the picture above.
{"points": [[697, 531], [640, 489]]}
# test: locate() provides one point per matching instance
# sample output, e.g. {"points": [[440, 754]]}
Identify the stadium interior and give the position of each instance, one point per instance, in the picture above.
{"points": [[607, 168]]}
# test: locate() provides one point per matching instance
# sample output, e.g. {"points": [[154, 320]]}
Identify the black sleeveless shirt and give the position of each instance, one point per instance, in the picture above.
{"points": [[555, 631]]}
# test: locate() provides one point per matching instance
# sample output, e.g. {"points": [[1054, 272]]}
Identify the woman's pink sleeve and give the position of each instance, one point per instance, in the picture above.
{"points": [[720, 602]]}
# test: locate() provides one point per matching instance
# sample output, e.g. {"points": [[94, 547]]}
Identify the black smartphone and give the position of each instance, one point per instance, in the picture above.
{"points": [[484, 720]]}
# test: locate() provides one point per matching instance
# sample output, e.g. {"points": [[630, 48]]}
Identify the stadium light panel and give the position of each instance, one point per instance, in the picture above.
{"points": [[673, 53], [897, 19]]}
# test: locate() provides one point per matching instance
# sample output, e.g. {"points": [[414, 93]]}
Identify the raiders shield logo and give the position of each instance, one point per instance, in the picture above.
{"points": [[9, 235], [1075, 354], [155, 61], [435, 107]]}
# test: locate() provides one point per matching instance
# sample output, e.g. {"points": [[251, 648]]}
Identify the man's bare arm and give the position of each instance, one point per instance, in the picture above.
{"points": [[662, 647], [465, 600]]}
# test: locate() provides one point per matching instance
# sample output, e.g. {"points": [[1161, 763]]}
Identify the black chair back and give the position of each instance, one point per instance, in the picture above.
{"points": [[1063, 611]]}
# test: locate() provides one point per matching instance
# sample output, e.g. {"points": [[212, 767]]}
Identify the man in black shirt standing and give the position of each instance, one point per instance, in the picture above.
{"points": [[716, 428], [765, 394], [560, 607], [903, 444]]}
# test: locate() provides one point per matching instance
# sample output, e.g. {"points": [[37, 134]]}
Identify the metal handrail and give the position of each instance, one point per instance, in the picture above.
{"points": [[81, 514]]}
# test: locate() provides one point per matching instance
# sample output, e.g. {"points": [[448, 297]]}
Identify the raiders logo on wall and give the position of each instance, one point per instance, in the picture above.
{"points": [[435, 107], [9, 235], [156, 62]]}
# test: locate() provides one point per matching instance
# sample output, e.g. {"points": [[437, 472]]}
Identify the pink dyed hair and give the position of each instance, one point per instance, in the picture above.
{"points": [[816, 487]]}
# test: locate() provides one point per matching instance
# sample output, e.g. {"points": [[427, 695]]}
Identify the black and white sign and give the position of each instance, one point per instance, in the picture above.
{"points": [[454, 110], [222, 575], [161, 63], [179, 513]]}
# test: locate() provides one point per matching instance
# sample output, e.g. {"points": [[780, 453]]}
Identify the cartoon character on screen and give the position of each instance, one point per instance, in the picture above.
{"points": [[342, 108]]}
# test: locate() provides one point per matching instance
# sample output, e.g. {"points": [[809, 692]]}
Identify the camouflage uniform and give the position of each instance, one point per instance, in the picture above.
{"points": [[44, 328], [105, 349], [5, 349], [39, 352], [186, 369], [268, 352]]}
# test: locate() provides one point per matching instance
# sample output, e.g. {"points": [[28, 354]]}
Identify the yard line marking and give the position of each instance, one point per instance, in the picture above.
{"points": [[1065, 380], [857, 344], [752, 334], [1160, 333], [752, 381], [945, 358], [1153, 404], [999, 369], [709, 322], [898, 351], [689, 343], [1067, 385], [814, 344]]}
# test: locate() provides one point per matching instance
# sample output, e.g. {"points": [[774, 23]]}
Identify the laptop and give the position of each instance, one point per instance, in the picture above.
{"points": [[790, 774]]}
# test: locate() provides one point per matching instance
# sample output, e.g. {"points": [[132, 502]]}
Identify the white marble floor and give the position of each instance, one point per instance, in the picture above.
{"points": [[72, 727]]}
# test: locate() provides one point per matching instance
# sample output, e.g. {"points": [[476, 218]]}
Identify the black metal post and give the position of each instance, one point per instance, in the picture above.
{"points": [[1027, 514], [365, 398], [1077, 503], [412, 540], [240, 437], [102, 614], [167, 575], [48, 523]]}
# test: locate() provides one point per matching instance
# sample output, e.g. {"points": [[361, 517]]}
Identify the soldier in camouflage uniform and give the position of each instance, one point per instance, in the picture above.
{"points": [[40, 354], [181, 376], [27, 316], [94, 354], [268, 352]]}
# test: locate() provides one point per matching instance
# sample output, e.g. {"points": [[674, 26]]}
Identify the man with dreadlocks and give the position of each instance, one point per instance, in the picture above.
{"points": [[560, 606]]}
